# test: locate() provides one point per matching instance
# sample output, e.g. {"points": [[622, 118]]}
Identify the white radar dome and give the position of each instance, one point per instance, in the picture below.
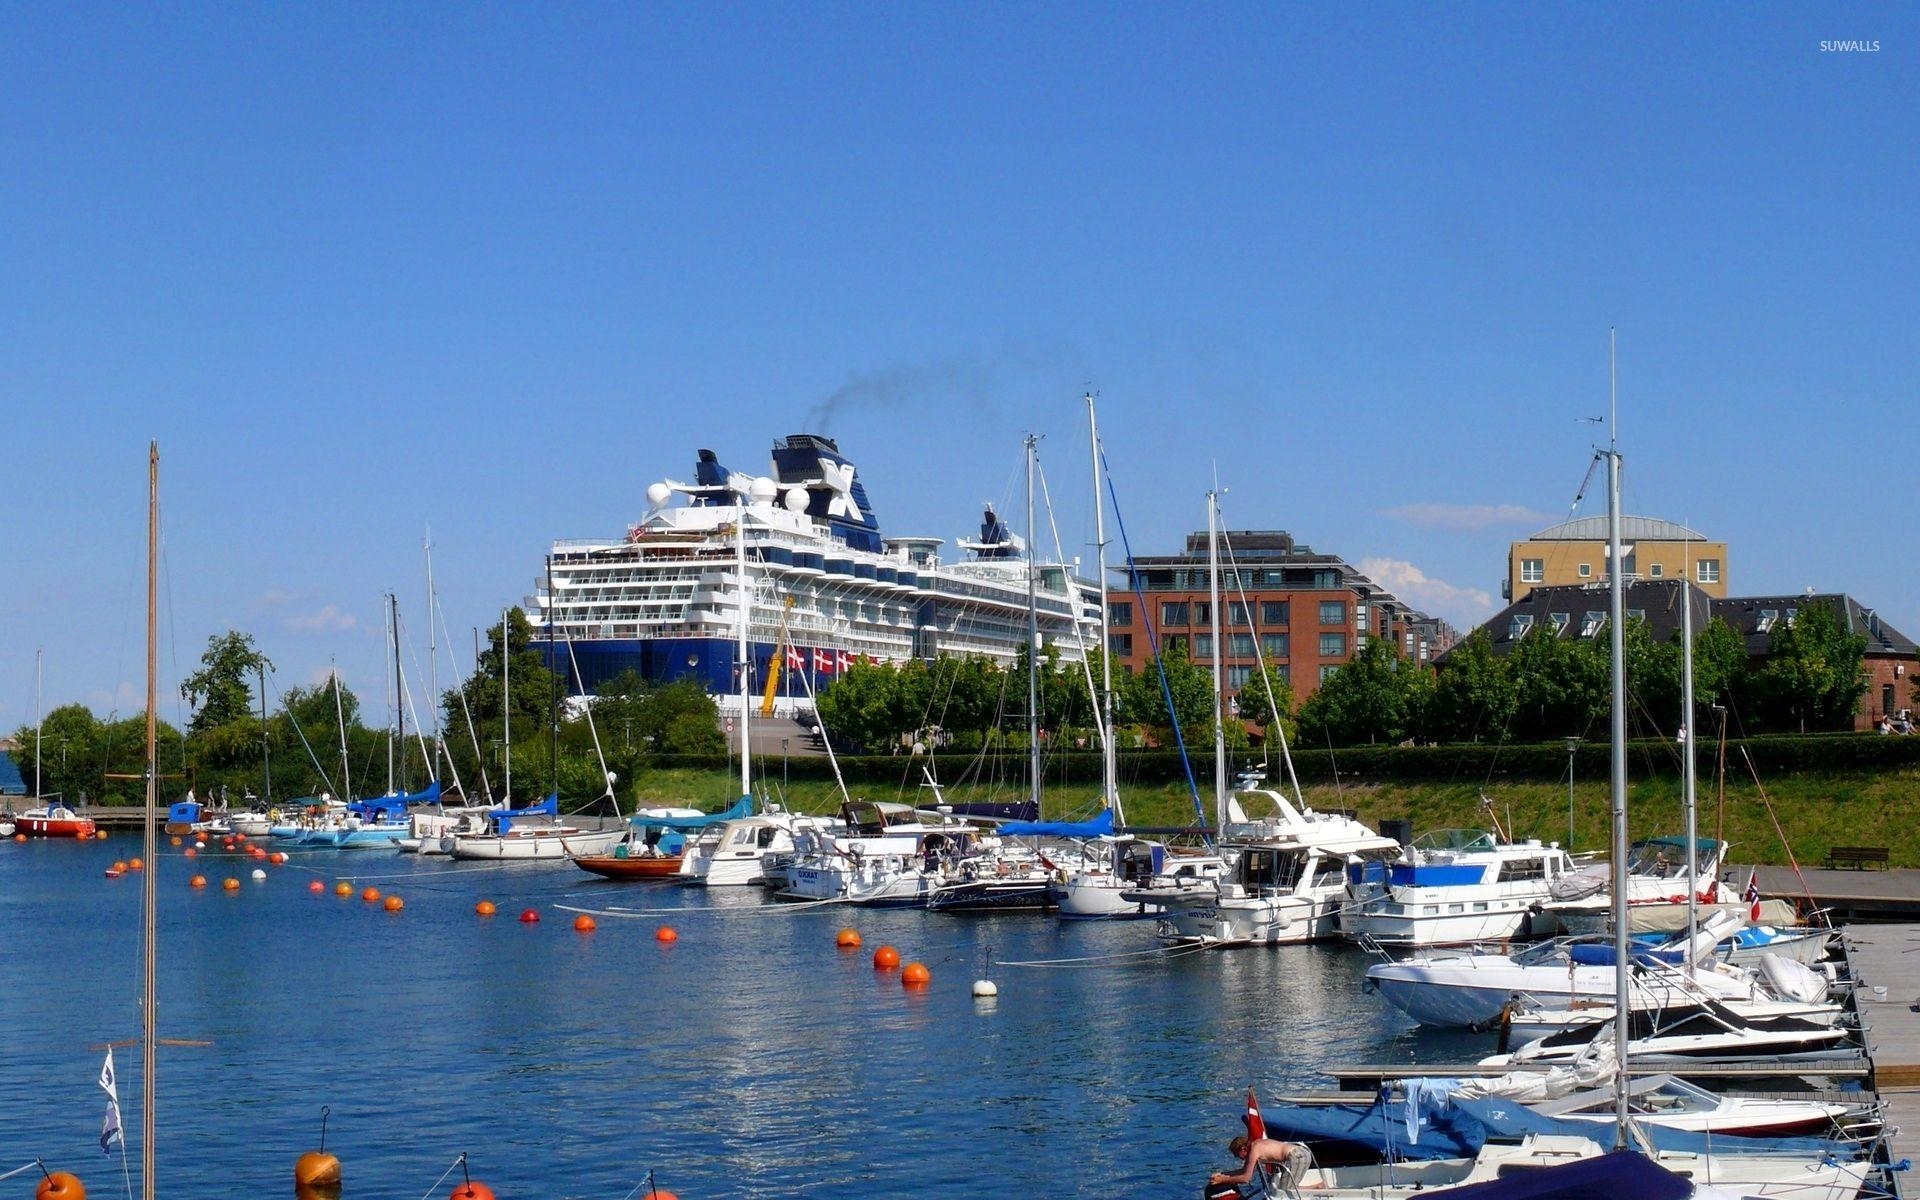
{"points": [[796, 500], [658, 494], [763, 490]]}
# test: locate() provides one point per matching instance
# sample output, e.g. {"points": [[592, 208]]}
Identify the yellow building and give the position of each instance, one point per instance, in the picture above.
{"points": [[1575, 552]]}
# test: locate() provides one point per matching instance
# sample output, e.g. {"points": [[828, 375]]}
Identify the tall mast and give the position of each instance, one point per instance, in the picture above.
{"points": [[553, 708], [1219, 714], [340, 722], [399, 693], [433, 662], [506, 703], [150, 1000], [390, 663], [266, 748], [1109, 768], [1617, 659], [745, 651], [38, 720], [1033, 641], [1688, 782]]}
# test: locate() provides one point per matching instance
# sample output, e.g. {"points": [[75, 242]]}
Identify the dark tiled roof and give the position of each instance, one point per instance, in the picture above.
{"points": [[1656, 600], [1753, 618]]}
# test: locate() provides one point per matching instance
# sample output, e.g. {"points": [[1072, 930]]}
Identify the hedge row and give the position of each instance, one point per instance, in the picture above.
{"points": [[1772, 755]]}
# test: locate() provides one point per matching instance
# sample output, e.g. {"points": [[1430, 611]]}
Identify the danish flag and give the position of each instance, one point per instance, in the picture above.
{"points": [[796, 661]]}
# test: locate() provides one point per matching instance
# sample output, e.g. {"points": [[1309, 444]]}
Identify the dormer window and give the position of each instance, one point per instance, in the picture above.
{"points": [[1522, 623], [1769, 617], [1637, 614], [1791, 614], [1591, 623], [1560, 622]]}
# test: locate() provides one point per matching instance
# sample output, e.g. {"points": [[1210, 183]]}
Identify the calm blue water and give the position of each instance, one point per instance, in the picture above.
{"points": [[750, 1059]]}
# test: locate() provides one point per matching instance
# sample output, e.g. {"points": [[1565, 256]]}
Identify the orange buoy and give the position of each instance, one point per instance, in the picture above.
{"points": [[665, 934], [847, 939], [118, 866], [239, 837], [230, 884], [471, 1190], [101, 834], [886, 958], [584, 924], [916, 975], [191, 852], [255, 852], [485, 908], [21, 837], [176, 841], [316, 1168], [59, 1185], [343, 888], [659, 1194], [198, 881], [134, 864], [393, 904], [530, 916], [370, 894], [316, 886], [278, 857]]}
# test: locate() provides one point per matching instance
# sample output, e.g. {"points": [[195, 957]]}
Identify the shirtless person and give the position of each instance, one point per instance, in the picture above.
{"points": [[1292, 1160]]}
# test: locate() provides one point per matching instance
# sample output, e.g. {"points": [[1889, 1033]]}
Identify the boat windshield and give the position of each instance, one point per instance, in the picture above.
{"points": [[1454, 839]]}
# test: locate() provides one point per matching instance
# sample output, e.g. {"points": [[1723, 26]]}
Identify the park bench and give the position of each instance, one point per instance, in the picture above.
{"points": [[1858, 858]]}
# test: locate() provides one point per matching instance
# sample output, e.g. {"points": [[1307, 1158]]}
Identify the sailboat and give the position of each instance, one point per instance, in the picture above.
{"points": [[51, 818]]}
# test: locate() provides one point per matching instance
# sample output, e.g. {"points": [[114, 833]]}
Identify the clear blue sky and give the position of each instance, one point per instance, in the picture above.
{"points": [[363, 269]]}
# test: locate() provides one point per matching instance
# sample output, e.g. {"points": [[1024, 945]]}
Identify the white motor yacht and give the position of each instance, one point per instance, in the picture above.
{"points": [[1456, 887], [736, 853]]}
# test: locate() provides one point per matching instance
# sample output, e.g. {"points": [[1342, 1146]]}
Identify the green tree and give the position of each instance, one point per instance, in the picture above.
{"points": [[862, 708], [1474, 695], [1560, 684], [1371, 699], [1254, 706], [1144, 702], [221, 691], [1812, 678]]}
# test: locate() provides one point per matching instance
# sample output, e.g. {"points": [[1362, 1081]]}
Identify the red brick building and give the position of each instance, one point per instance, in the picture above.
{"points": [[1309, 613]]}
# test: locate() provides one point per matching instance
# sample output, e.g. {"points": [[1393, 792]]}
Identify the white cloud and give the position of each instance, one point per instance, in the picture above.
{"points": [[1467, 517], [328, 620], [1463, 607]]}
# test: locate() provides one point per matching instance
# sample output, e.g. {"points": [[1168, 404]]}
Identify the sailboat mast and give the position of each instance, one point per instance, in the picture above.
{"points": [[266, 747], [1617, 659], [340, 722], [1033, 642], [399, 694], [150, 999], [1688, 781], [506, 704], [38, 720], [433, 662], [1219, 716], [1109, 767], [745, 651]]}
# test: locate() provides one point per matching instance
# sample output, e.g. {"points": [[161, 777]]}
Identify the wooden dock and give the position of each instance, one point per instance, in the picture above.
{"points": [[1886, 965]]}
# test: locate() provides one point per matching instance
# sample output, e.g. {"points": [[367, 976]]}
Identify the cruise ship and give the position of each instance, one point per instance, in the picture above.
{"points": [[825, 590]]}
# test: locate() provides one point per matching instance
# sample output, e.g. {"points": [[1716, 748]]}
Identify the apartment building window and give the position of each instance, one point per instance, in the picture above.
{"points": [[1240, 645], [1707, 570], [1175, 642], [1591, 623], [1202, 612], [1333, 645], [1655, 570], [1173, 613], [1120, 644], [1533, 570], [1203, 647], [1120, 612], [1237, 677], [1586, 570], [1273, 612], [1236, 613], [1281, 673], [1333, 612], [1274, 645]]}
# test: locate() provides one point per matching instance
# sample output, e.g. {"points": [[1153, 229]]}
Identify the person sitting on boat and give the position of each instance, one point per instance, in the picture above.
{"points": [[1290, 1160]]}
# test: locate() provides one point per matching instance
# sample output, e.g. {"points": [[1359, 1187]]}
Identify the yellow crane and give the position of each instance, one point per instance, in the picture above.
{"points": [[778, 661]]}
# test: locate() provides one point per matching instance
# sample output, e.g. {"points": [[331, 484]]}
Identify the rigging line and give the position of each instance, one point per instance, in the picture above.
{"points": [[473, 735], [1805, 887], [419, 731], [293, 862], [1153, 641], [288, 709], [457, 1164], [1079, 634], [1266, 677]]}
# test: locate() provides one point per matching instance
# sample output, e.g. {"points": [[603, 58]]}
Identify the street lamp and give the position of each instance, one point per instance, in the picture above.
{"points": [[1573, 748]]}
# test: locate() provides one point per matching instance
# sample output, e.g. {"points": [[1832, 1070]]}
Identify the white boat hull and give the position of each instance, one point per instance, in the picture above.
{"points": [[554, 847]]}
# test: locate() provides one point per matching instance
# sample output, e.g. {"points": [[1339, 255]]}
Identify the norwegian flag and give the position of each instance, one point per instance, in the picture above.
{"points": [[796, 661], [1256, 1128], [1752, 895]]}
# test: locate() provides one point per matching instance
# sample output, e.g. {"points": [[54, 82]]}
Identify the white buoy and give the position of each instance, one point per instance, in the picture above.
{"points": [[258, 874], [985, 988]]}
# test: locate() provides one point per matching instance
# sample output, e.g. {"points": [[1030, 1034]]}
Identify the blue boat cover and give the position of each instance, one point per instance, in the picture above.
{"points": [[743, 807], [1100, 825], [1602, 1177], [1509, 1119], [183, 812], [394, 807], [548, 807]]}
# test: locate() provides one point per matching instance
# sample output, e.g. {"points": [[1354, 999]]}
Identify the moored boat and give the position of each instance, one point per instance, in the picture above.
{"points": [[54, 820], [1456, 887]]}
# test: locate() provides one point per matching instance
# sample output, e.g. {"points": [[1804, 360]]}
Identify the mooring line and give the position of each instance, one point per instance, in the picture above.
{"points": [[1101, 959]]}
